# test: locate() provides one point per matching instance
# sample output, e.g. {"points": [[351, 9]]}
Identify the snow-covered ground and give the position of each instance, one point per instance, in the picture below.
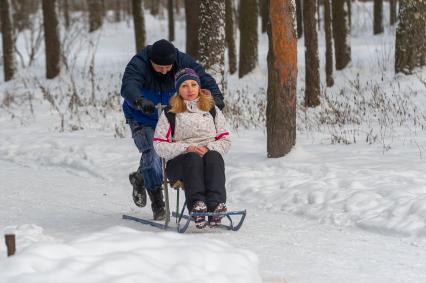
{"points": [[324, 213]]}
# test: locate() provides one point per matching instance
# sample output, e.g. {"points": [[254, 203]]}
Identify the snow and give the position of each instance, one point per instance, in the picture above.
{"points": [[324, 213], [121, 254]]}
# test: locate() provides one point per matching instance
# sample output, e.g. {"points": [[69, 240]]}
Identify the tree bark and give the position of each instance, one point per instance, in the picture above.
{"points": [[282, 79], [378, 17], [248, 37], [312, 77], [117, 11], [66, 13], [341, 29], [9, 63], [410, 43], [299, 13], [171, 20], [212, 48], [328, 43], [139, 24], [192, 13], [95, 14], [51, 39], [230, 37], [264, 14], [392, 11]]}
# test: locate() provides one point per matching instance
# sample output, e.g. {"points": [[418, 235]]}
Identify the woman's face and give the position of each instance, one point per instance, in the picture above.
{"points": [[189, 90]]}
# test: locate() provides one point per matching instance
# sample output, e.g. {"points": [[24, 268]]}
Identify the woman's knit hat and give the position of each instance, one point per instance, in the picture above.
{"points": [[184, 75]]}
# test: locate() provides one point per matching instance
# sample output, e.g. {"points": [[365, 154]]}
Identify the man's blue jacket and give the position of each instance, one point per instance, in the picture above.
{"points": [[140, 79]]}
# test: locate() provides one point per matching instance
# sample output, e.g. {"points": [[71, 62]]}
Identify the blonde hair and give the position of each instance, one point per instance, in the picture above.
{"points": [[205, 102]]}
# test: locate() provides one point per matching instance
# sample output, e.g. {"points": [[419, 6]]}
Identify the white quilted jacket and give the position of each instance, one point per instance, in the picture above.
{"points": [[192, 127]]}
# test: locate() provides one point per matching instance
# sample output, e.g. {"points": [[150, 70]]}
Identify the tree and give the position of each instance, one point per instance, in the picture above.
{"points": [[95, 14], [299, 16], [230, 37], [410, 43], [66, 12], [312, 77], [328, 43], [378, 16], [212, 48], [9, 64], [139, 24], [341, 33], [51, 39], [392, 11], [171, 20], [282, 78], [155, 7], [264, 13], [192, 12], [248, 37]]}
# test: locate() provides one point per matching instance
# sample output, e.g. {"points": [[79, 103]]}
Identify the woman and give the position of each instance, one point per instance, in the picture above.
{"points": [[194, 151]]}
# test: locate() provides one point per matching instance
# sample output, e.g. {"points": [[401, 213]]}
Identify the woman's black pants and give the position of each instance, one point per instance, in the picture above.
{"points": [[203, 177]]}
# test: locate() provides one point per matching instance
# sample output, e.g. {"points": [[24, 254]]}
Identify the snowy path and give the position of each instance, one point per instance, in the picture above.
{"points": [[74, 184]]}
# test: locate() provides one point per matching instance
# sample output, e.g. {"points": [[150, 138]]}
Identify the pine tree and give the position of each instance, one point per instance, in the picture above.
{"points": [[341, 33], [410, 43], [328, 43], [212, 39], [139, 24], [229, 36], [378, 16], [312, 77], [248, 37], [95, 14], [66, 11], [282, 78], [51, 39], [9, 63], [264, 13], [192, 14]]}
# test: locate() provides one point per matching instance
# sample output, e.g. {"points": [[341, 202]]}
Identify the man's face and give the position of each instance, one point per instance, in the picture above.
{"points": [[163, 69]]}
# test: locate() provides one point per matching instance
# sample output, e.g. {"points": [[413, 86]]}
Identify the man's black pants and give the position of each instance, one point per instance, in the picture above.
{"points": [[203, 177]]}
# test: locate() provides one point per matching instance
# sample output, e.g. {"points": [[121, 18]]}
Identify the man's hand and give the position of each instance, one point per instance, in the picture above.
{"points": [[144, 105]]}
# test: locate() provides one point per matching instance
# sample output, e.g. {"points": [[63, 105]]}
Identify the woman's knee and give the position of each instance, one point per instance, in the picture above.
{"points": [[193, 158], [213, 156]]}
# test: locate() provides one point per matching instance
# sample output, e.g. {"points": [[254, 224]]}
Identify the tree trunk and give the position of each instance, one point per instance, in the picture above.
{"points": [[410, 43], [66, 13], [318, 15], [392, 11], [95, 14], [299, 13], [282, 79], [230, 37], [212, 48], [139, 24], [328, 43], [155, 7], [341, 29], [264, 13], [312, 77], [248, 37], [51, 39], [117, 11], [9, 63], [192, 13], [378, 17], [171, 20]]}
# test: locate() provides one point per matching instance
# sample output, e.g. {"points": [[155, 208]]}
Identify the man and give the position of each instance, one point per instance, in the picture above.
{"points": [[147, 81]]}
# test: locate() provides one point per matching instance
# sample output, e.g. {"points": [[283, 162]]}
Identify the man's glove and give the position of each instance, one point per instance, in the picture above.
{"points": [[144, 105]]}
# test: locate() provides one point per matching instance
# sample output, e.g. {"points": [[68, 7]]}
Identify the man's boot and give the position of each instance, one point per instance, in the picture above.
{"points": [[139, 193], [157, 203]]}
